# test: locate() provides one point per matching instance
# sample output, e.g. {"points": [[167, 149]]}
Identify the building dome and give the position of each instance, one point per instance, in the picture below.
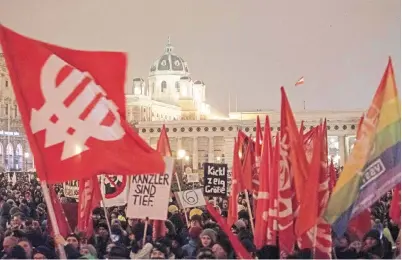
{"points": [[169, 63]]}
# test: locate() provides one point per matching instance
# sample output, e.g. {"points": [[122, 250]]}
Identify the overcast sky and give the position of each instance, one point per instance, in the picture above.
{"points": [[248, 48]]}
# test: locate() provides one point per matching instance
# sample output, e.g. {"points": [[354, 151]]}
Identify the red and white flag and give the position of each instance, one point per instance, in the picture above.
{"points": [[300, 82], [72, 105]]}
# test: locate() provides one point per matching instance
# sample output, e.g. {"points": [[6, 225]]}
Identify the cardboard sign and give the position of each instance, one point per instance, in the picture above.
{"points": [[215, 179], [71, 189], [193, 177], [149, 194], [114, 189], [190, 198]]}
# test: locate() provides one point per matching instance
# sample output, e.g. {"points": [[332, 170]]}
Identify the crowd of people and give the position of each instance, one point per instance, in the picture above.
{"points": [[24, 233]]}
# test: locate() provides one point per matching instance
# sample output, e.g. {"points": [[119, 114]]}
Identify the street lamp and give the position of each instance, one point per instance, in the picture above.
{"points": [[26, 155], [181, 154]]}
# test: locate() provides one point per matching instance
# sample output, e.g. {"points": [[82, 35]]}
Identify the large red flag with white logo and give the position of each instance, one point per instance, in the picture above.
{"points": [[72, 106]]}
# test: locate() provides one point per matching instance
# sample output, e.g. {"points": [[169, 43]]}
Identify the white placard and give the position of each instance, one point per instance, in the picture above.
{"points": [[191, 198], [149, 194], [71, 189], [114, 189], [193, 177]]}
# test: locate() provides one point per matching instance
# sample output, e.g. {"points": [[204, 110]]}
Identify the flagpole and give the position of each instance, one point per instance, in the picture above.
{"points": [[52, 217], [105, 210]]}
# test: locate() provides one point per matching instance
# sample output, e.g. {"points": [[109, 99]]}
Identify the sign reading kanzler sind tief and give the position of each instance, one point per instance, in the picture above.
{"points": [[215, 179]]}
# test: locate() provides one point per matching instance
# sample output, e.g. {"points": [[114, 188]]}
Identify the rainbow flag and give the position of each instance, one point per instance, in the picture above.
{"points": [[374, 166]]}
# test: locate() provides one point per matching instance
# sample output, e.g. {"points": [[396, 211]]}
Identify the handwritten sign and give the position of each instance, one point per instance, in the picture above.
{"points": [[193, 177], [149, 194], [190, 198], [114, 189], [71, 189], [215, 179]]}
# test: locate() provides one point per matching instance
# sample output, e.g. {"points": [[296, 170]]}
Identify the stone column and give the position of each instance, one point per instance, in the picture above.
{"points": [[228, 151], [342, 150], [211, 154], [179, 144], [195, 153]]}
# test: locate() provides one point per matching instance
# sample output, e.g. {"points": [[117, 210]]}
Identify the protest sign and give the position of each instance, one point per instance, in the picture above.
{"points": [[71, 189], [190, 198], [215, 179], [114, 189], [149, 194], [192, 177]]}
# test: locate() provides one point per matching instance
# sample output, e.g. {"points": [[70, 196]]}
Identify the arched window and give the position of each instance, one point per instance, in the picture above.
{"points": [[163, 86], [177, 86]]}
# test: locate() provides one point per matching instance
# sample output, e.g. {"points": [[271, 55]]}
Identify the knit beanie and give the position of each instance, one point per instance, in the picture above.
{"points": [[209, 232], [240, 224], [194, 232]]}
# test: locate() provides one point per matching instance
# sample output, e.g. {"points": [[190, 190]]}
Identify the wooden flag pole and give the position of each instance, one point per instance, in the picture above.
{"points": [[52, 217], [144, 238], [178, 184], [249, 210]]}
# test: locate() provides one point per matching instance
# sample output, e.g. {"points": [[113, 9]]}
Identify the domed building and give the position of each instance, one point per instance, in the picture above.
{"points": [[168, 94]]}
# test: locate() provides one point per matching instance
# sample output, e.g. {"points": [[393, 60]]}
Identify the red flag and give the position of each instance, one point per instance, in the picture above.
{"points": [[248, 168], [395, 208], [72, 105], [299, 82], [286, 192], [89, 197], [291, 137], [308, 213], [301, 131], [272, 227], [239, 249], [258, 151], [61, 219], [360, 224], [163, 147], [236, 186], [262, 204], [258, 138], [332, 175]]}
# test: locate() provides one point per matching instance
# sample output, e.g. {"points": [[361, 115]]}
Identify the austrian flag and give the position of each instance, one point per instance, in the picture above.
{"points": [[72, 105], [300, 82]]}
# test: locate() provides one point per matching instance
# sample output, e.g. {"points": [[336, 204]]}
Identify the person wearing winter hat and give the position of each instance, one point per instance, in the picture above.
{"points": [[42, 252], [159, 251], [208, 237], [88, 251], [190, 249], [195, 220], [372, 244], [172, 209], [194, 212]]}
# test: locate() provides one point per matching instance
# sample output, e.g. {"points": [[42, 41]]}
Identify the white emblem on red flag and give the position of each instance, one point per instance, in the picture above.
{"points": [[65, 122]]}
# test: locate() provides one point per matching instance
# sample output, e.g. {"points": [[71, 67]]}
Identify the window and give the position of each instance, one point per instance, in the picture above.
{"points": [[163, 86], [177, 86], [153, 87], [6, 83]]}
